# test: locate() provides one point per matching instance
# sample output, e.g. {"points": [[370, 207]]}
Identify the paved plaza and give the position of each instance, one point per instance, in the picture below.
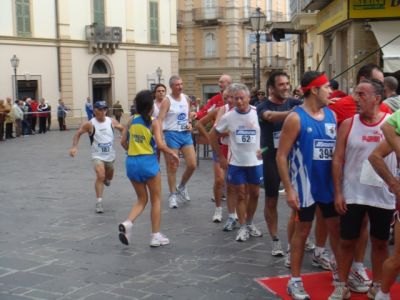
{"points": [[54, 246]]}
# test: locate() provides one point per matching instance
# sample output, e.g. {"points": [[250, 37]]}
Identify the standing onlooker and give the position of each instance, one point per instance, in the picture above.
{"points": [[26, 109], [89, 108], [3, 112], [61, 115], [336, 93], [118, 111], [9, 119], [34, 106], [392, 99], [160, 91], [42, 109], [18, 116], [49, 118]]}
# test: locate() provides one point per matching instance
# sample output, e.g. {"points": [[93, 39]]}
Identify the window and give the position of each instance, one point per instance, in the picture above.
{"points": [[210, 45], [154, 22], [99, 67], [23, 17], [98, 12]]}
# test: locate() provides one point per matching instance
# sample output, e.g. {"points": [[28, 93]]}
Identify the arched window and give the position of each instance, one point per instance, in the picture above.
{"points": [[210, 45], [99, 67]]}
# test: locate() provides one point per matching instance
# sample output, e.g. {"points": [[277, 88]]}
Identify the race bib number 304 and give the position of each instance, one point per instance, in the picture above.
{"points": [[245, 136], [323, 149]]}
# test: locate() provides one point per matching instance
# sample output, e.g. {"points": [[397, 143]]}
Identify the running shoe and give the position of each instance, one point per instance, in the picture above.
{"points": [[340, 292], [277, 248], [107, 182], [99, 208], [287, 260], [296, 290], [373, 290], [230, 224], [217, 217], [359, 281], [253, 231], [158, 239], [183, 194], [309, 245], [362, 273], [172, 201], [125, 229], [322, 261], [223, 198], [243, 234]]}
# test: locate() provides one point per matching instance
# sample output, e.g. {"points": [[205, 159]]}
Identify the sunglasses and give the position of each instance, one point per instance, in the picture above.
{"points": [[261, 94]]}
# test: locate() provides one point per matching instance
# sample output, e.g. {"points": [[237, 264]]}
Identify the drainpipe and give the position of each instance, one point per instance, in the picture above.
{"points": [[58, 45]]}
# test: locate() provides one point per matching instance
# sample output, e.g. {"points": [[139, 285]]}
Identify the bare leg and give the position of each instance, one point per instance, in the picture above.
{"points": [[321, 232], [253, 191], [271, 215], [154, 185], [379, 253], [361, 246], [230, 198], [190, 158], [100, 177], [138, 207], [219, 181], [301, 231], [241, 207], [172, 167], [391, 266]]}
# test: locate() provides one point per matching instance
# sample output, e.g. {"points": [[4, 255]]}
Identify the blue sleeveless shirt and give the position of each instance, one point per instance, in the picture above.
{"points": [[311, 158]]}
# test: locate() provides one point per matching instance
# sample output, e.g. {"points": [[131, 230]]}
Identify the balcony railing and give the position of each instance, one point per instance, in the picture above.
{"points": [[275, 62], [103, 38], [208, 14]]}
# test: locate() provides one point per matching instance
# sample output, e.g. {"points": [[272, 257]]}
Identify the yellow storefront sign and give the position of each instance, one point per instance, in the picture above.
{"points": [[370, 9], [332, 15]]}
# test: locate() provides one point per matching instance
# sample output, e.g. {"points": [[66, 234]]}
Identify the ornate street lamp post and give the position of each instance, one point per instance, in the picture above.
{"points": [[257, 21], [159, 73], [14, 63], [253, 58]]}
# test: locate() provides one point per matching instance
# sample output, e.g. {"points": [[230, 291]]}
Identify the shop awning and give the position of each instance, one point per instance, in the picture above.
{"points": [[384, 32]]}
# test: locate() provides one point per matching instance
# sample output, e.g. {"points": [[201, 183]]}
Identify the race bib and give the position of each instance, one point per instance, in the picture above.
{"points": [[276, 136], [182, 121], [245, 136], [104, 148], [323, 149]]}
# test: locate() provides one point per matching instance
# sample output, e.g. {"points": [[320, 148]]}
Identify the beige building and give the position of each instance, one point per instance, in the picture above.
{"points": [[74, 49], [215, 37]]}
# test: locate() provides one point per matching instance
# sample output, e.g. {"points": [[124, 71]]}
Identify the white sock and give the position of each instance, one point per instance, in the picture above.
{"points": [[357, 266], [288, 248], [99, 200], [382, 295], [295, 279], [319, 250], [219, 208], [233, 216]]}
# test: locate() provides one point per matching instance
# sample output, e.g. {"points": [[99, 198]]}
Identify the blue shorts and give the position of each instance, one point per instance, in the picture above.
{"points": [[242, 175], [178, 139], [141, 168]]}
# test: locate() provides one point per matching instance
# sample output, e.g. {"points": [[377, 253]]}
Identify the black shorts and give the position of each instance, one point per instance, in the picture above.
{"points": [[379, 218], [271, 175], [306, 214]]}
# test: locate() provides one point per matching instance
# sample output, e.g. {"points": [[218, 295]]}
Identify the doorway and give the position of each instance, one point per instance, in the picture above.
{"points": [[101, 81]]}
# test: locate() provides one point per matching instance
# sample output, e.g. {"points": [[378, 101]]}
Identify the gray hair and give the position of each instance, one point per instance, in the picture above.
{"points": [[377, 86], [237, 87], [391, 83], [173, 78]]}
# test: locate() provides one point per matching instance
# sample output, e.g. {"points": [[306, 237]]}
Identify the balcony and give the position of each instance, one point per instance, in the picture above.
{"points": [[103, 38], [208, 15], [273, 63], [314, 4]]}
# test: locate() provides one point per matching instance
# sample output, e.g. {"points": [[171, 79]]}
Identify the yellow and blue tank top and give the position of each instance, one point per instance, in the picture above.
{"points": [[141, 141]]}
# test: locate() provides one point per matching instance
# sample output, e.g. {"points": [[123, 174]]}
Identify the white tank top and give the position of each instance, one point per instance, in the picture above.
{"points": [[361, 184], [156, 110], [177, 116], [102, 140]]}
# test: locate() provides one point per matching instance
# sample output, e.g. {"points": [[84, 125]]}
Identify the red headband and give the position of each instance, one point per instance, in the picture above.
{"points": [[317, 82]]}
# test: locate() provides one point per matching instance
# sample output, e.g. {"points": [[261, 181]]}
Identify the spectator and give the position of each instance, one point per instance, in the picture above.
{"points": [[49, 118], [42, 109], [392, 99], [61, 115], [89, 108], [18, 115], [3, 112], [336, 93], [118, 111], [260, 97], [9, 121], [34, 106], [26, 123]]}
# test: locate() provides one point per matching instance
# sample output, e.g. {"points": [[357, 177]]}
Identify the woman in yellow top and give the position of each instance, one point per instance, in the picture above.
{"points": [[141, 138]]}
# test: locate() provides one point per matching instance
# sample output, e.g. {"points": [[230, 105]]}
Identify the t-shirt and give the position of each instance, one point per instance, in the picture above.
{"points": [[270, 132], [215, 102], [393, 102], [244, 136], [394, 120]]}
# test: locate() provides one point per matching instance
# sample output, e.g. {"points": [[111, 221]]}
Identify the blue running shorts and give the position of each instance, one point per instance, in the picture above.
{"points": [[178, 139], [241, 175], [141, 168]]}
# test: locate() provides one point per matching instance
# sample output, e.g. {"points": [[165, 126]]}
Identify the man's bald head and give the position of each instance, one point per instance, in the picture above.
{"points": [[224, 81]]}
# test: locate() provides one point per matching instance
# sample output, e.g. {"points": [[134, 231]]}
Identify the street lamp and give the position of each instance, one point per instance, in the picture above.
{"points": [[14, 63], [253, 58], [257, 21], [159, 73]]}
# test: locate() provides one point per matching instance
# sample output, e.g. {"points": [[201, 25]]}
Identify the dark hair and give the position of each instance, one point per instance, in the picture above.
{"points": [[334, 84], [366, 71], [377, 85], [307, 78], [144, 105], [391, 82], [272, 77], [157, 86]]}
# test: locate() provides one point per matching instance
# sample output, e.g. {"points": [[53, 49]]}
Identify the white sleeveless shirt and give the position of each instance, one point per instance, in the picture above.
{"points": [[156, 110], [361, 184], [177, 115], [102, 140]]}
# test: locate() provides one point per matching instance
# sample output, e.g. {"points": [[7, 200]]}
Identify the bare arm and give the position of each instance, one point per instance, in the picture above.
{"points": [[289, 133], [210, 117], [85, 128], [156, 126], [117, 125], [337, 166], [275, 116], [214, 135], [164, 108], [125, 134]]}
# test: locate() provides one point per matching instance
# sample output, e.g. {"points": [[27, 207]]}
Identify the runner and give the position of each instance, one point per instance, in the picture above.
{"points": [[140, 139], [309, 133], [244, 171], [101, 134]]}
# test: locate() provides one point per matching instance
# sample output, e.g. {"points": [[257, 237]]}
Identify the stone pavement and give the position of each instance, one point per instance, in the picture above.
{"points": [[54, 246]]}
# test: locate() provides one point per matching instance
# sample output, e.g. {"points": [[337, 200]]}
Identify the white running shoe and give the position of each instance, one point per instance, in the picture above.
{"points": [[309, 245], [296, 290], [217, 217], [183, 194], [340, 292], [173, 203], [158, 239], [323, 260], [277, 248], [287, 260], [253, 230], [125, 229], [243, 234], [99, 208], [358, 282]]}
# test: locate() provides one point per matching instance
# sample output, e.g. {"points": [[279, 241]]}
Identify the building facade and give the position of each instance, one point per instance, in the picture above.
{"points": [[215, 37], [74, 49]]}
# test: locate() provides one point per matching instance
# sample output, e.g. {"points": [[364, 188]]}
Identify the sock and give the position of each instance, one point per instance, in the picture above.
{"points": [[233, 216], [382, 295], [181, 186], [319, 250], [357, 265], [218, 208], [99, 200], [275, 238], [288, 248], [295, 279], [249, 222]]}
